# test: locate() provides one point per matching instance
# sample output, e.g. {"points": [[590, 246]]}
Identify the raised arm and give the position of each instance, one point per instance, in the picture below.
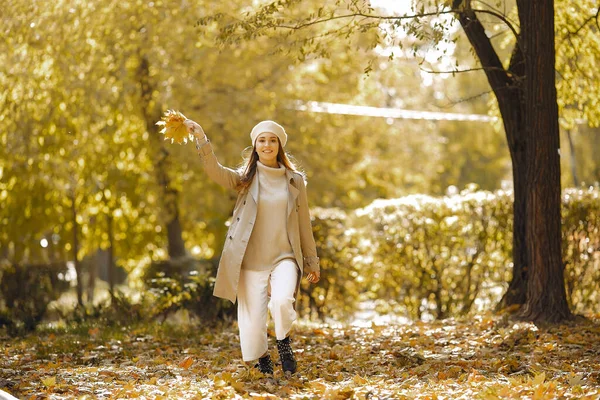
{"points": [[222, 175]]}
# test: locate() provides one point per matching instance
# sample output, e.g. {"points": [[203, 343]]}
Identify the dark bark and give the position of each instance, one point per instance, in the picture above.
{"points": [[91, 284], [152, 113], [546, 298], [507, 87], [526, 95], [573, 159], [78, 270], [517, 288], [111, 260], [91, 269]]}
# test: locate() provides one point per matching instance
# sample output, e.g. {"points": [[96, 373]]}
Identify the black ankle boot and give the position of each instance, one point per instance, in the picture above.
{"points": [[265, 365], [286, 355]]}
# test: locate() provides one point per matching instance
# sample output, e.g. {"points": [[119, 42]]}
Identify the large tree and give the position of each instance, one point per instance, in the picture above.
{"points": [[526, 95], [546, 296], [81, 89]]}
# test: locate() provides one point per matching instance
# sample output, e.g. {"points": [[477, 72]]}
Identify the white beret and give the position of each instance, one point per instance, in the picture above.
{"points": [[269, 126]]}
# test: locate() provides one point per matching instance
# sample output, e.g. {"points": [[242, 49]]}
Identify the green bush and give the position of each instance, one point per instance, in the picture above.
{"points": [[437, 257], [26, 292], [184, 283], [581, 248], [337, 293]]}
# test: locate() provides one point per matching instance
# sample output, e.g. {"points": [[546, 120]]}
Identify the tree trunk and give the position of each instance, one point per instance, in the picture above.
{"points": [[507, 87], [152, 113], [78, 271], [517, 288], [91, 268], [546, 298], [573, 159], [111, 261], [91, 284]]}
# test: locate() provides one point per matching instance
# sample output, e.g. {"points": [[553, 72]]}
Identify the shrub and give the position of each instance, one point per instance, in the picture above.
{"points": [[581, 248], [436, 257], [184, 283], [27, 290], [337, 293]]}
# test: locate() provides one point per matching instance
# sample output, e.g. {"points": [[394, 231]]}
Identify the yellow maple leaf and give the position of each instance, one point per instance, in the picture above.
{"points": [[185, 364], [49, 382], [359, 380], [539, 379], [173, 127]]}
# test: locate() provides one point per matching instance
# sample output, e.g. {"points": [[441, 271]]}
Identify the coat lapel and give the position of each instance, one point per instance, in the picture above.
{"points": [[254, 188], [292, 192]]}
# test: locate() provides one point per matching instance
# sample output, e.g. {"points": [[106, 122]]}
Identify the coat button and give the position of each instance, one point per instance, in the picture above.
{"points": [[230, 238], [238, 218]]}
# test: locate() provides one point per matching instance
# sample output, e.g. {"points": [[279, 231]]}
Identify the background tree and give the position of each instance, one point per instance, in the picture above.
{"points": [[509, 84], [84, 176]]}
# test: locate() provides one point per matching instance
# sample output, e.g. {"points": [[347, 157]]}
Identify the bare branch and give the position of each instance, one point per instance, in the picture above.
{"points": [[517, 62], [491, 7], [494, 70], [462, 70], [494, 36], [583, 25], [396, 18], [499, 16], [453, 102], [366, 16]]}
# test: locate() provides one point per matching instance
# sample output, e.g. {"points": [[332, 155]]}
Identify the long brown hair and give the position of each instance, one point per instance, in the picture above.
{"points": [[249, 169]]}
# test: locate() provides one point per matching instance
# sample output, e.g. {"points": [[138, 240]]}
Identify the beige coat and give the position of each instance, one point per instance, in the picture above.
{"points": [[244, 214]]}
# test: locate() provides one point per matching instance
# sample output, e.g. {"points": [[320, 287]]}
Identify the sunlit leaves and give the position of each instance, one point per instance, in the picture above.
{"points": [[486, 357], [577, 54], [173, 128], [425, 257], [49, 382]]}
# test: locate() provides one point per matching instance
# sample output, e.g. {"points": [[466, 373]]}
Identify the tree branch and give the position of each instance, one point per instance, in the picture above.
{"points": [[590, 18], [395, 18], [461, 70], [497, 75], [516, 66], [367, 16], [494, 36], [499, 16], [454, 102]]}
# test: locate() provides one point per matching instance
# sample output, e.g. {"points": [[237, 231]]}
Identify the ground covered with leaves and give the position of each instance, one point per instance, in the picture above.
{"points": [[486, 357]]}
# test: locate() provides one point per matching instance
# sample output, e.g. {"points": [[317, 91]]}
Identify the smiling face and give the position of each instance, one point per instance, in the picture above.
{"points": [[267, 147]]}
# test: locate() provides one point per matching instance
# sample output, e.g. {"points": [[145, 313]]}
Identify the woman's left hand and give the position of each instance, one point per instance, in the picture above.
{"points": [[313, 277]]}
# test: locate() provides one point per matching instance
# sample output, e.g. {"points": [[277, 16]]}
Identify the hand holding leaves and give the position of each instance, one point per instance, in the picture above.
{"points": [[178, 128], [195, 129]]}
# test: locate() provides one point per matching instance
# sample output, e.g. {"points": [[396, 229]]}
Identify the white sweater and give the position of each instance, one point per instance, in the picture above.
{"points": [[269, 243]]}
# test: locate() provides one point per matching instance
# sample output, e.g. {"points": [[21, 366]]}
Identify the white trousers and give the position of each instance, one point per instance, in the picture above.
{"points": [[253, 303]]}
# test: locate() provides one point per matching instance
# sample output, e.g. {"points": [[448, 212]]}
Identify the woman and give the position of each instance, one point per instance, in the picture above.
{"points": [[269, 243]]}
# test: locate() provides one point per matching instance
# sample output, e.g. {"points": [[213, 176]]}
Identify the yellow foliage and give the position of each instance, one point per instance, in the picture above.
{"points": [[49, 382], [173, 127]]}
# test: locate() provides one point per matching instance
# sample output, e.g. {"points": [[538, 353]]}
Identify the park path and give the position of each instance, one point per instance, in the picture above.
{"points": [[485, 357]]}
